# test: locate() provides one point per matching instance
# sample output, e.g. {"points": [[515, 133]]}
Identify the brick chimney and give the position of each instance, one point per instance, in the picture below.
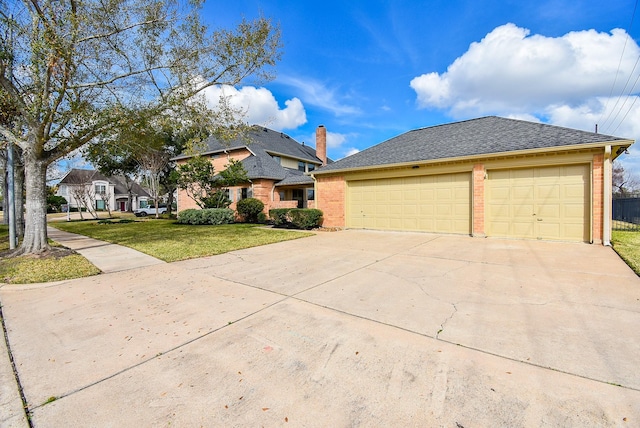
{"points": [[321, 144]]}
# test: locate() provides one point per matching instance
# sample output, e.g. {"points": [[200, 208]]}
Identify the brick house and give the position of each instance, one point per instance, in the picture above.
{"points": [[119, 193], [276, 164], [490, 176]]}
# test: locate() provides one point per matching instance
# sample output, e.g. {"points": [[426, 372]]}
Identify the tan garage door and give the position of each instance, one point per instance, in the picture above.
{"points": [[539, 203], [435, 203]]}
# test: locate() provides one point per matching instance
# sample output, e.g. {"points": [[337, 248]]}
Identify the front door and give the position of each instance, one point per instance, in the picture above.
{"points": [[298, 195], [123, 206]]}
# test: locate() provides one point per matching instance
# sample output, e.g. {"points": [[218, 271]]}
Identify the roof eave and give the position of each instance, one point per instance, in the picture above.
{"points": [[211, 152], [602, 144]]}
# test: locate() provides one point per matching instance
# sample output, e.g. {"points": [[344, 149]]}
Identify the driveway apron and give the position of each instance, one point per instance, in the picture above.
{"points": [[352, 328]]}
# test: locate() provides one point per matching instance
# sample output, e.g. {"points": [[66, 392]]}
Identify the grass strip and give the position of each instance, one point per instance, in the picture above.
{"points": [[169, 241], [627, 245]]}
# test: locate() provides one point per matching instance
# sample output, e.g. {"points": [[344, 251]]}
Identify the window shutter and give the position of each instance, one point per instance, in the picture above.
{"points": [[250, 192]]}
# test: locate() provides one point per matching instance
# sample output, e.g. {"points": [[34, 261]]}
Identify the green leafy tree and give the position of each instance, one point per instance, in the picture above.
{"points": [[74, 69], [208, 190]]}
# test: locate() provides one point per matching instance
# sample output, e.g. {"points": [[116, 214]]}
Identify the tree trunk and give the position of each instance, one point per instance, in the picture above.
{"points": [[35, 233], [19, 198], [170, 203], [5, 190]]}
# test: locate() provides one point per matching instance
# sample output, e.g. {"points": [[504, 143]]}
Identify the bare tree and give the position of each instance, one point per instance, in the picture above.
{"points": [[105, 195], [625, 183], [152, 164], [85, 196]]}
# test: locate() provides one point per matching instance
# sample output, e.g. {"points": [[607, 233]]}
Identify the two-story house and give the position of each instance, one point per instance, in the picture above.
{"points": [[99, 190], [276, 165]]}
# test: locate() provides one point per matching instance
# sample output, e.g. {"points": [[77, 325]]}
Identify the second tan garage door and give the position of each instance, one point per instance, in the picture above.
{"points": [[539, 203], [435, 203]]}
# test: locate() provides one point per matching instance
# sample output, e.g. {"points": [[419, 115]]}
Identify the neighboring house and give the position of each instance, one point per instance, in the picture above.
{"points": [[483, 177], [117, 192], [276, 165]]}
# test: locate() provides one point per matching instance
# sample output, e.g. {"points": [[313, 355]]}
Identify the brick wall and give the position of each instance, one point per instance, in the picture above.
{"points": [[598, 197], [262, 190], [478, 199], [330, 198]]}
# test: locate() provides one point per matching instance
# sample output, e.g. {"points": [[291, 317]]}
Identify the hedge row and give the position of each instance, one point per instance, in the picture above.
{"points": [[207, 216], [298, 218]]}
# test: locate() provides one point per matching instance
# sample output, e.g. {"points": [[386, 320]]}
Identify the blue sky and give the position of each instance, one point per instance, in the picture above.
{"points": [[370, 70]]}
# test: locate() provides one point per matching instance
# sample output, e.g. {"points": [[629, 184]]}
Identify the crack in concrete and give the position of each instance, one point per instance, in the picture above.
{"points": [[444, 323]]}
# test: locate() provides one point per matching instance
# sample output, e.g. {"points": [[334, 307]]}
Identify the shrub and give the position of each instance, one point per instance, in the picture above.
{"points": [[305, 218], [298, 218], [249, 209], [262, 218], [206, 216], [279, 216]]}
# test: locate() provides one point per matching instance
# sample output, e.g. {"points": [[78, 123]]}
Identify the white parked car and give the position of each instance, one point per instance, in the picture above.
{"points": [[143, 212]]}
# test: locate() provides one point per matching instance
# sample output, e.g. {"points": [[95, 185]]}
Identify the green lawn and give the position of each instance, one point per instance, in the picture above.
{"points": [[627, 245], [52, 267], [169, 241]]}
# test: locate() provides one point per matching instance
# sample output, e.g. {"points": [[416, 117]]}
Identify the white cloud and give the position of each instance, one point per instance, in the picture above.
{"points": [[317, 94], [352, 151], [335, 139], [511, 71], [260, 106], [565, 81]]}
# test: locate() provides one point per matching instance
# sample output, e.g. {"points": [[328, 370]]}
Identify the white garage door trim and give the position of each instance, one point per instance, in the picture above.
{"points": [[550, 202], [431, 203]]}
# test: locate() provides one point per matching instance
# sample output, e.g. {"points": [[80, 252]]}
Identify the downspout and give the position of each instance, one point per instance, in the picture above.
{"points": [[315, 191], [606, 199]]}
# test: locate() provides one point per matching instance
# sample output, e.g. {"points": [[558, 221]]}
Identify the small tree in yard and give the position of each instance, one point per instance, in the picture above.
{"points": [[85, 196], [208, 190], [105, 195], [153, 163]]}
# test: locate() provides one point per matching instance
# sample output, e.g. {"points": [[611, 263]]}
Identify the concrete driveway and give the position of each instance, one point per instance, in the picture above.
{"points": [[352, 328]]}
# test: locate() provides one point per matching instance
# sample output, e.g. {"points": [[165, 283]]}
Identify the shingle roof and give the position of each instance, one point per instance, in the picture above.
{"points": [[86, 176], [481, 136], [82, 176], [295, 177], [265, 143], [263, 140]]}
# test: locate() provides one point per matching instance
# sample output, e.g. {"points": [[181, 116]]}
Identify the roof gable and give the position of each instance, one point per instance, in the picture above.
{"points": [[261, 140], [475, 137], [88, 176]]}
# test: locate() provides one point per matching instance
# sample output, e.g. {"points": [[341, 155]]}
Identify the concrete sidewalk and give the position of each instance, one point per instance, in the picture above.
{"points": [[108, 258], [105, 256]]}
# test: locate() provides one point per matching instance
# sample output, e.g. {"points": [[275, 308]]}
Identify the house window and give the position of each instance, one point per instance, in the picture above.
{"points": [[310, 167], [301, 166], [310, 195], [100, 189], [245, 193], [214, 156], [277, 159], [100, 204]]}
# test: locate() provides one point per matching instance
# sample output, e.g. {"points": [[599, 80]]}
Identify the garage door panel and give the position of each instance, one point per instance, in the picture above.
{"points": [[438, 203], [542, 203], [548, 212]]}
